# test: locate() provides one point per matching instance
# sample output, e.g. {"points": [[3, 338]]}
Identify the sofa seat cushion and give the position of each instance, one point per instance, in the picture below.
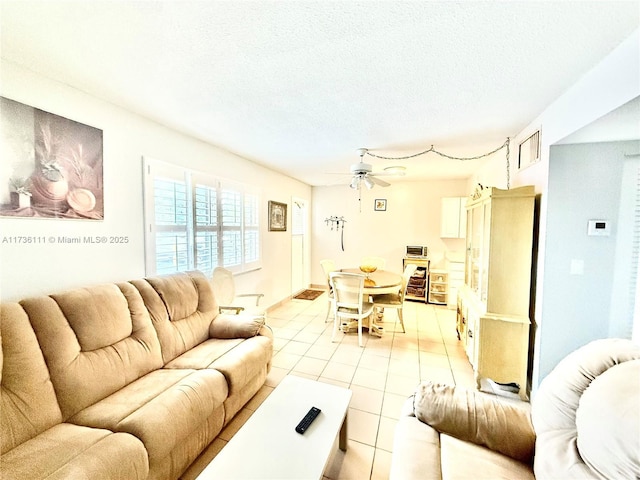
{"points": [[244, 362], [203, 355], [463, 460], [72, 451], [161, 409], [416, 450], [239, 360]]}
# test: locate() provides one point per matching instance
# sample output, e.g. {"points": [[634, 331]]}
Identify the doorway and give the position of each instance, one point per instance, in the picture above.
{"points": [[299, 264]]}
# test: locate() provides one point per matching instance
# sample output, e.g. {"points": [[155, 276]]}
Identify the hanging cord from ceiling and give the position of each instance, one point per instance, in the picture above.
{"points": [[506, 145]]}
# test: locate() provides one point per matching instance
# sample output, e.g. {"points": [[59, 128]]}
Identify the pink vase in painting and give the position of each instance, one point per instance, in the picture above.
{"points": [[48, 192]]}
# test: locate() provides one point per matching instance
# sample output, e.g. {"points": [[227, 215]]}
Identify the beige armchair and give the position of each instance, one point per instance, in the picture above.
{"points": [[584, 422], [224, 289]]}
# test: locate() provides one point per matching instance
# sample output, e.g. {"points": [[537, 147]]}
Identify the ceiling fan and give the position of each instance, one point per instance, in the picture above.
{"points": [[362, 173]]}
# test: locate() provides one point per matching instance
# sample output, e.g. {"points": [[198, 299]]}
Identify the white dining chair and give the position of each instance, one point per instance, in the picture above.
{"points": [[395, 300], [224, 289], [349, 301], [379, 262], [328, 266]]}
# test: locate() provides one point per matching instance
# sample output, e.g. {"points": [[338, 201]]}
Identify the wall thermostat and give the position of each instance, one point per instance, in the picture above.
{"points": [[600, 228]]}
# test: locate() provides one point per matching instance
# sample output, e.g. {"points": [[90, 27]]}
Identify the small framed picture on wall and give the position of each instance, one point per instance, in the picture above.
{"points": [[380, 204], [277, 216]]}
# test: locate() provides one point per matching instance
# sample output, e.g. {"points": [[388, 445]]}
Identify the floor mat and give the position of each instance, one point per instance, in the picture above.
{"points": [[309, 294]]}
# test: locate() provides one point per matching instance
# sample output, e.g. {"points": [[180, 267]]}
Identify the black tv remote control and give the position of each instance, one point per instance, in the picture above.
{"points": [[307, 420]]}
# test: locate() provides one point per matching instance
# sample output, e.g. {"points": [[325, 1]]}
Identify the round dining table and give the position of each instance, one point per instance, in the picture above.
{"points": [[380, 281], [375, 283]]}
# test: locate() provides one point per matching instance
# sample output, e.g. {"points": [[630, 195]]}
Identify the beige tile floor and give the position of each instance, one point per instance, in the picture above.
{"points": [[381, 375]]}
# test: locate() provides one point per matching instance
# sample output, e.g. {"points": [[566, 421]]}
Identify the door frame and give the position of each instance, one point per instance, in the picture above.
{"points": [[305, 254]]}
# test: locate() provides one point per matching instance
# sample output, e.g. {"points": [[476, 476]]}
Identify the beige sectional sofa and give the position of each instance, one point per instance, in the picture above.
{"points": [[583, 422], [130, 380]]}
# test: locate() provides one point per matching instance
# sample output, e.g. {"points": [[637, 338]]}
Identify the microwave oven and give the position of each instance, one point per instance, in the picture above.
{"points": [[417, 251]]}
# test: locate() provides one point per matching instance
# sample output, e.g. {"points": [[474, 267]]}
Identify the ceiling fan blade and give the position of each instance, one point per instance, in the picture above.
{"points": [[378, 181]]}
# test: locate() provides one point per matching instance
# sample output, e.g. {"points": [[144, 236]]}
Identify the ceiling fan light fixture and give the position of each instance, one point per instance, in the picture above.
{"points": [[368, 182], [396, 170], [355, 183]]}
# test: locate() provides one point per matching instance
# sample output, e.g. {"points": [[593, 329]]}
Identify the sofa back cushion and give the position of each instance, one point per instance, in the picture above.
{"points": [[182, 307], [564, 447], [609, 438], [499, 424], [28, 404], [95, 340]]}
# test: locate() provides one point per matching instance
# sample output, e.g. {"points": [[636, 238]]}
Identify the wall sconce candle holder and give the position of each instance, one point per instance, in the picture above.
{"points": [[338, 224]]}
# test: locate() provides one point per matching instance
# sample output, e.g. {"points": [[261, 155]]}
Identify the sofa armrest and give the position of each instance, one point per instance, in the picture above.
{"points": [[236, 326], [478, 418], [266, 331]]}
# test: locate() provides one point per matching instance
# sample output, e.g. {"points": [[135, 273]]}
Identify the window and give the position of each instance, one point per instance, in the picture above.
{"points": [[196, 221]]}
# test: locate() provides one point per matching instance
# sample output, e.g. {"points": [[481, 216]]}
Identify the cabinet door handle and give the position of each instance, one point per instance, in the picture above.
{"points": [[470, 333]]}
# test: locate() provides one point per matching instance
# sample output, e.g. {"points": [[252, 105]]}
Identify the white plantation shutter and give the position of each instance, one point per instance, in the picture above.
{"points": [[634, 286], [167, 211], [624, 318], [195, 221], [172, 245], [231, 208], [206, 228], [251, 230]]}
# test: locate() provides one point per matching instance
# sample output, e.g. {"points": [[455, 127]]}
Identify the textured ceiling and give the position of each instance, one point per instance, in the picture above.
{"points": [[299, 86]]}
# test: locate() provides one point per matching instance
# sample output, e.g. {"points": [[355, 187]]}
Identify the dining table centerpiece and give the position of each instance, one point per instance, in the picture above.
{"points": [[368, 269]]}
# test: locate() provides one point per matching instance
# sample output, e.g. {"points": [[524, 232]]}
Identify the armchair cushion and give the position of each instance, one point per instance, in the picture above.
{"points": [[467, 460], [476, 417], [608, 439], [236, 326], [570, 424]]}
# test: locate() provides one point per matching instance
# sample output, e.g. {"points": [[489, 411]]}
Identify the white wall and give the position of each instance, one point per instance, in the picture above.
{"points": [[609, 85], [585, 183], [412, 218], [36, 269]]}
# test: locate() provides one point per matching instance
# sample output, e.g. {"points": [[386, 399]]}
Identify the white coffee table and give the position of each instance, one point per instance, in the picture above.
{"points": [[268, 447]]}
